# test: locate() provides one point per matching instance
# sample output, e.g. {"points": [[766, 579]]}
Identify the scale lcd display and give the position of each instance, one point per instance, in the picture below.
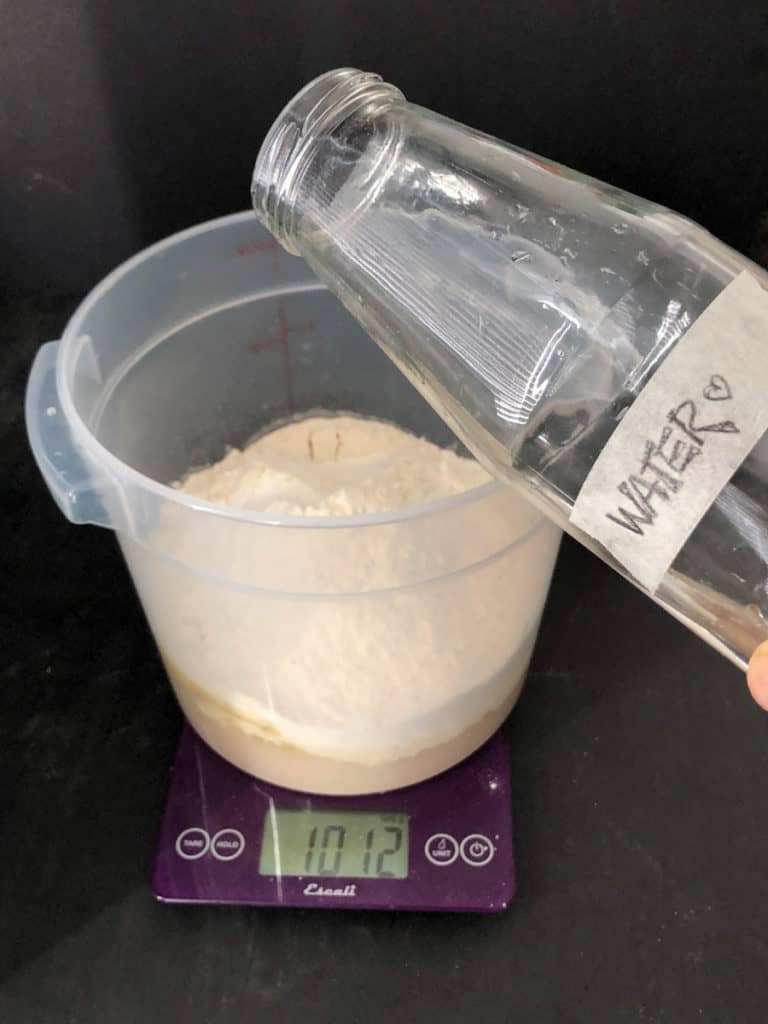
{"points": [[331, 844]]}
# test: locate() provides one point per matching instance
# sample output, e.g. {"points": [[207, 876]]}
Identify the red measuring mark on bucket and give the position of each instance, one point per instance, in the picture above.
{"points": [[281, 340], [254, 248]]}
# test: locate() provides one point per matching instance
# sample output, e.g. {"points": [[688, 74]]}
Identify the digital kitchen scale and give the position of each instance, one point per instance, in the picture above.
{"points": [[444, 844]]}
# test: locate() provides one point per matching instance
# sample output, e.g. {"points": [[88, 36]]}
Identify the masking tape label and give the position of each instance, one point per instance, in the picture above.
{"points": [[683, 437]]}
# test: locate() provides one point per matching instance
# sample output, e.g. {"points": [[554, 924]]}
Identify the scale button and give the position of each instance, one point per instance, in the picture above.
{"points": [[227, 844], [441, 849], [193, 843], [477, 850]]}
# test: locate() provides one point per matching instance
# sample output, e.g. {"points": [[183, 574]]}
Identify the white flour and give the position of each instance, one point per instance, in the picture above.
{"points": [[335, 466], [367, 643]]}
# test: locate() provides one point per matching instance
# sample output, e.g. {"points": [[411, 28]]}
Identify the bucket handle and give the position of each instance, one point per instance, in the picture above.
{"points": [[63, 469]]}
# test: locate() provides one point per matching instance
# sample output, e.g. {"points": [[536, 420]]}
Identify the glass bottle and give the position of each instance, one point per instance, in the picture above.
{"points": [[533, 307]]}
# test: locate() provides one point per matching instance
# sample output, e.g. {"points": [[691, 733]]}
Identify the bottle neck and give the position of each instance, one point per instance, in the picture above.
{"points": [[313, 115]]}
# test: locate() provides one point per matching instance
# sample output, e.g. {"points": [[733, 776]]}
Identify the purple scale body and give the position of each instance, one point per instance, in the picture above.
{"points": [[460, 853]]}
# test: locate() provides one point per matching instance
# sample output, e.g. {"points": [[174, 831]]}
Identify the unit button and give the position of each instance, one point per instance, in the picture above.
{"points": [[477, 850], [441, 849], [227, 844], [193, 843]]}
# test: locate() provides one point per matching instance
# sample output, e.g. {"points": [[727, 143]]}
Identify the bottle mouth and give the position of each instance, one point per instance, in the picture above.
{"points": [[319, 108]]}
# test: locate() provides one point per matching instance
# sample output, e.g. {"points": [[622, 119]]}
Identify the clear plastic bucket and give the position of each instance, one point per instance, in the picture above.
{"points": [[335, 655]]}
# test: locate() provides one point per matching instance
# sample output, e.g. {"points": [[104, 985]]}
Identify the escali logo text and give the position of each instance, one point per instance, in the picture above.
{"points": [[313, 889]]}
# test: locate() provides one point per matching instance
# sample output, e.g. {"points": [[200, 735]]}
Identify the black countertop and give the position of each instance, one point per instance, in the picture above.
{"points": [[639, 777]]}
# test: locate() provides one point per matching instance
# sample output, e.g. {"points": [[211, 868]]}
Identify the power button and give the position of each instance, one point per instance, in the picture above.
{"points": [[477, 850]]}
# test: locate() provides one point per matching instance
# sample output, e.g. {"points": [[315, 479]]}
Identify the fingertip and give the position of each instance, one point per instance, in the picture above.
{"points": [[757, 675]]}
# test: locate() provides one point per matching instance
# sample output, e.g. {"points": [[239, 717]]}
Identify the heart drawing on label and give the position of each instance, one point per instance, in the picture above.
{"points": [[718, 389]]}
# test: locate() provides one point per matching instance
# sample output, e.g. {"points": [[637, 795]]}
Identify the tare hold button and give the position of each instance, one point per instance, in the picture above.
{"points": [[441, 849], [227, 844], [192, 843]]}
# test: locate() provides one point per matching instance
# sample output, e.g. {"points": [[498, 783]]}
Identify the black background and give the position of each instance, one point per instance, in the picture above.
{"points": [[639, 762], [122, 122]]}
